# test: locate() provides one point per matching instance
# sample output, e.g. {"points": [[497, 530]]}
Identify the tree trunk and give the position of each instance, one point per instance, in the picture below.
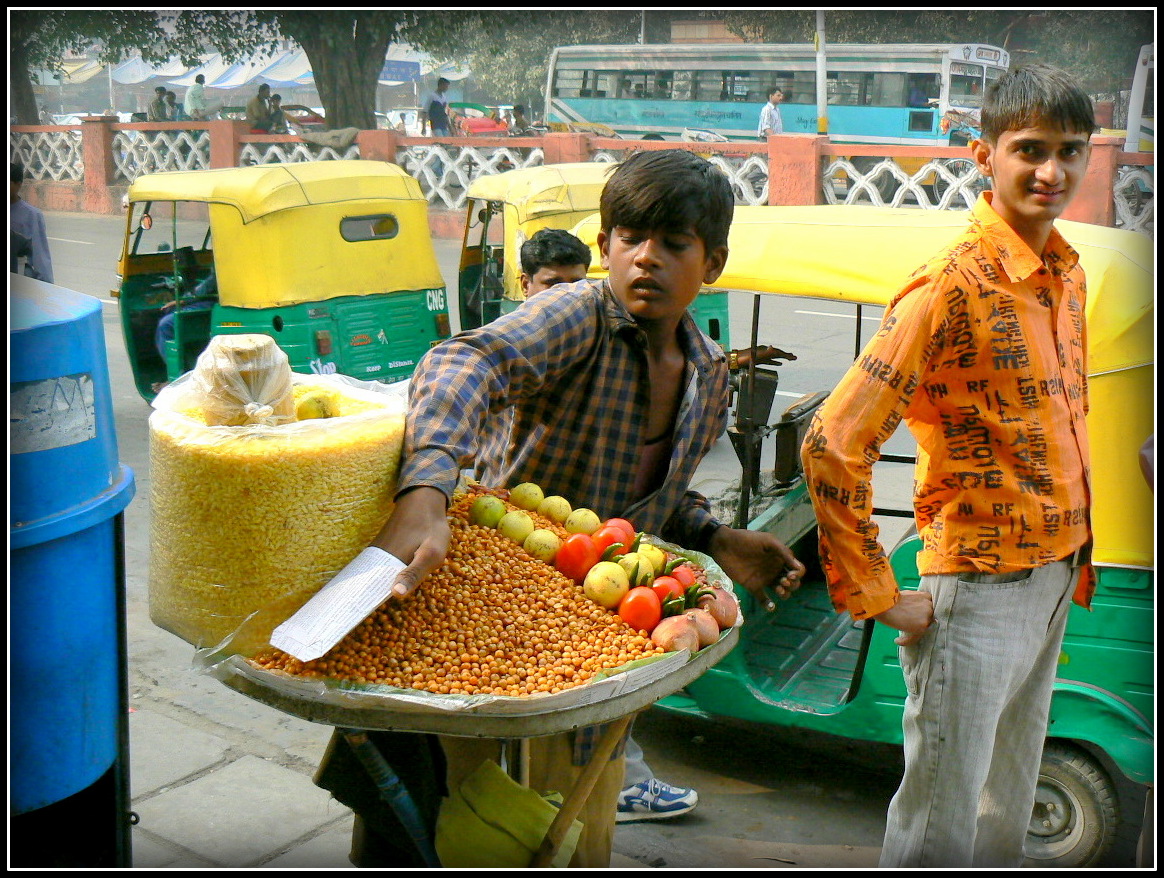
{"points": [[23, 97], [346, 51]]}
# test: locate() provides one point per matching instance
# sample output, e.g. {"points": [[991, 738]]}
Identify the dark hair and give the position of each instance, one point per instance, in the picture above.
{"points": [[442, 80], [264, 87], [1035, 94], [519, 108], [671, 190], [775, 90], [276, 97], [200, 78], [17, 172], [552, 247], [161, 89]]}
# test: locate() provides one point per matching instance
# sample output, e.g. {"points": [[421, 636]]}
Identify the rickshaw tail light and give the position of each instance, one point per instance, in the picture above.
{"points": [[443, 327], [322, 342]]}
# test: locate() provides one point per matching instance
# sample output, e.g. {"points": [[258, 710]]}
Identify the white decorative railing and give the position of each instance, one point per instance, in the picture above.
{"points": [[145, 152], [286, 153], [939, 184], [445, 171], [1135, 199], [48, 155], [748, 173]]}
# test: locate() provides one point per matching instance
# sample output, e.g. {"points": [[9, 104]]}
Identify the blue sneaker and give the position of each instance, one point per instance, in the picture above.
{"points": [[654, 800]]}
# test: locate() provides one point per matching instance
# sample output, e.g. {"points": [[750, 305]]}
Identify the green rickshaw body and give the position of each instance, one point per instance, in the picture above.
{"points": [[334, 260]]}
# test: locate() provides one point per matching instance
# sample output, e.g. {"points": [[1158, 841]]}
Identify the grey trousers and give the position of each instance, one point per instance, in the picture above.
{"points": [[979, 691]]}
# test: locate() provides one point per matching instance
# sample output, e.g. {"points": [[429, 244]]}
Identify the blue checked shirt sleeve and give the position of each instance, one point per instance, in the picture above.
{"points": [[462, 381]]}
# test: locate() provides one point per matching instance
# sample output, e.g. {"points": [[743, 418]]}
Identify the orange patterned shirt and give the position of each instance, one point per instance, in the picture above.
{"points": [[983, 355]]}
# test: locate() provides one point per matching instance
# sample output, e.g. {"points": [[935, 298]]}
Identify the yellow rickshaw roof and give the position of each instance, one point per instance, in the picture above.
{"points": [[260, 190], [545, 190], [864, 255]]}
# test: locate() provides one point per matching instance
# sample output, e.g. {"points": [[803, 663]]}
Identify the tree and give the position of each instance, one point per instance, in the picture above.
{"points": [[1097, 46], [509, 51], [40, 39]]}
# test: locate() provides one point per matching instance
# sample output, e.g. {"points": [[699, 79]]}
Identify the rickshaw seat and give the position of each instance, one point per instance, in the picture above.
{"points": [[193, 327], [789, 436]]}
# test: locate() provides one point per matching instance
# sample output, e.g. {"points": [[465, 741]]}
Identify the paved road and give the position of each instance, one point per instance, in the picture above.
{"points": [[220, 781]]}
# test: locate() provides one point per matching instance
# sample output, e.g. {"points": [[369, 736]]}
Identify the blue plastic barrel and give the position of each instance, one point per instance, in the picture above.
{"points": [[67, 489]]}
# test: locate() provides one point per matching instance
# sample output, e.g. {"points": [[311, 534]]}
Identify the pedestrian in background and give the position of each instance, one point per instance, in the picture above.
{"points": [[28, 237], [194, 102], [770, 121], [157, 110], [434, 113]]}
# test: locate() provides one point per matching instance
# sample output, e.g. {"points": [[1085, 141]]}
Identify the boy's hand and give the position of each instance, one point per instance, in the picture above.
{"points": [[912, 615], [757, 561], [418, 534]]}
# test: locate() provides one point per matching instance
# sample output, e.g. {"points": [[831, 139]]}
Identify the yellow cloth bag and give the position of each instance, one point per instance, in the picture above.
{"points": [[493, 821]]}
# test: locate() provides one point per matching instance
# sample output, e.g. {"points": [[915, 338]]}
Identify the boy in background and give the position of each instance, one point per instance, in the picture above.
{"points": [[983, 355], [616, 397]]}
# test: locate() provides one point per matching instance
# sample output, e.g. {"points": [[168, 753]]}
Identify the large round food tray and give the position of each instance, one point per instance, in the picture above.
{"points": [[534, 716]]}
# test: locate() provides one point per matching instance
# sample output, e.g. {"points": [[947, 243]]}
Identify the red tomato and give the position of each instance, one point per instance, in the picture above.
{"points": [[666, 587], [607, 536], [641, 609], [625, 526], [685, 575], [576, 556]]}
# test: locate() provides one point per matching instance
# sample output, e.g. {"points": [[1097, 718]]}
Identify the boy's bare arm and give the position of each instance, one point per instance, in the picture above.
{"points": [[757, 561], [417, 532]]}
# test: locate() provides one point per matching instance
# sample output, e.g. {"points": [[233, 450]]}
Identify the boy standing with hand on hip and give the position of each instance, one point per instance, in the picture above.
{"points": [[983, 355]]}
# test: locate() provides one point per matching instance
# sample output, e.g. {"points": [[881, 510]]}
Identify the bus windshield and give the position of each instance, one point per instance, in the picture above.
{"points": [[884, 94]]}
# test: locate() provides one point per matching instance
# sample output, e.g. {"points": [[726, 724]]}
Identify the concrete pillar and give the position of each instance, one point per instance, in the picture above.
{"points": [[794, 168], [566, 148], [97, 154], [225, 135], [378, 145]]}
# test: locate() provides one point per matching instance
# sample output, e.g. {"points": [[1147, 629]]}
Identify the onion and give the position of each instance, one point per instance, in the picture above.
{"points": [[705, 626], [722, 605], [675, 633]]}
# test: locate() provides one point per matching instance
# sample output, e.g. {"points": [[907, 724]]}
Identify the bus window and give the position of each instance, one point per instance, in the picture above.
{"points": [[568, 83], [799, 87], [965, 84], [923, 87], [683, 86], [888, 90]]}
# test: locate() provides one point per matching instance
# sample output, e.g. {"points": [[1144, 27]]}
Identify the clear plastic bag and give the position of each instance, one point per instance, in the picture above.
{"points": [[260, 515]]}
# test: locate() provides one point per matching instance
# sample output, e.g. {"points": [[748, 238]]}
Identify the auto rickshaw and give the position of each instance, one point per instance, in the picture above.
{"points": [[505, 210], [806, 667], [334, 260]]}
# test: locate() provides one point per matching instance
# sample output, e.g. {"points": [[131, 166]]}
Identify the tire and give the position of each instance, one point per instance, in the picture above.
{"points": [[885, 184], [959, 168], [1076, 810]]}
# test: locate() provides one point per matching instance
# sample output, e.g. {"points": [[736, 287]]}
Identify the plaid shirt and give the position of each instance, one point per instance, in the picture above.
{"points": [[983, 354], [567, 371]]}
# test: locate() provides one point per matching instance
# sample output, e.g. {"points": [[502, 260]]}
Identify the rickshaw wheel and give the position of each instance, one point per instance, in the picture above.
{"points": [[1075, 816]]}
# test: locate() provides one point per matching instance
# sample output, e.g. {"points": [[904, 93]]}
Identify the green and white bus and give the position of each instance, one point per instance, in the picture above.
{"points": [[877, 94]]}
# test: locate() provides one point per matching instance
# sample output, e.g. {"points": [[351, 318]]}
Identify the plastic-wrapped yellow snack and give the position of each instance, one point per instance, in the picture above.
{"points": [[248, 517]]}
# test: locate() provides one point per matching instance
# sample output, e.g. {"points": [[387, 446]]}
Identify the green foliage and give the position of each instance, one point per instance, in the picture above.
{"points": [[509, 51], [1097, 46]]}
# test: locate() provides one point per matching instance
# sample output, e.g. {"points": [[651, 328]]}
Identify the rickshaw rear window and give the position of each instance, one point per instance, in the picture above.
{"points": [[369, 228]]}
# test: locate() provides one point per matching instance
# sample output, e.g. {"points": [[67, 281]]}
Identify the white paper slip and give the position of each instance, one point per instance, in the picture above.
{"points": [[339, 606]]}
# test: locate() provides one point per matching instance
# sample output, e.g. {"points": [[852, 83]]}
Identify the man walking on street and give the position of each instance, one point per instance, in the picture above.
{"points": [[770, 121], [983, 355], [195, 101]]}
